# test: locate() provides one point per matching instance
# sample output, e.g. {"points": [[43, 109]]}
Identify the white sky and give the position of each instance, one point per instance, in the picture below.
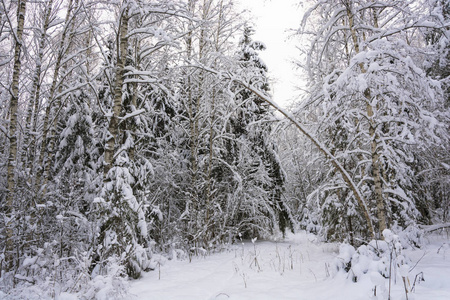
{"points": [[271, 19]]}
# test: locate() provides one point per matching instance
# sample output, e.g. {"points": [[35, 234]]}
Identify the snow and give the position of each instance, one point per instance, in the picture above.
{"points": [[298, 268], [133, 114], [429, 228], [28, 261]]}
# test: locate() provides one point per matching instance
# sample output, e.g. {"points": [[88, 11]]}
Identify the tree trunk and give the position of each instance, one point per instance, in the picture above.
{"points": [[134, 96], [193, 124], [12, 158], [378, 185], [47, 126], [32, 114], [113, 128], [212, 120], [374, 151], [345, 176], [58, 105]]}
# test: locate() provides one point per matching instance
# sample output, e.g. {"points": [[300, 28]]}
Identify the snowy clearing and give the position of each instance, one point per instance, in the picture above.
{"points": [[298, 268]]}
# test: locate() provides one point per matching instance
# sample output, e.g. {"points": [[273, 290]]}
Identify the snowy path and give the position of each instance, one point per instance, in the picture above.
{"points": [[296, 269]]}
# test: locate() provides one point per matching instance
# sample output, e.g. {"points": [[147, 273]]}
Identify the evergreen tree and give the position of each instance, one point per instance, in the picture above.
{"points": [[251, 127]]}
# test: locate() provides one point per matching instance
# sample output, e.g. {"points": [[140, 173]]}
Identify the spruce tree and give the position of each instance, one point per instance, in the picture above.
{"points": [[251, 126]]}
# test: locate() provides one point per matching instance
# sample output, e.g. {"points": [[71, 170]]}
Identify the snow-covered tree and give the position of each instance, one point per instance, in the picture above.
{"points": [[373, 105], [258, 159]]}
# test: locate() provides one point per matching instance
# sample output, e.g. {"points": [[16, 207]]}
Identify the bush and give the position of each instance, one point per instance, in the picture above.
{"points": [[379, 259]]}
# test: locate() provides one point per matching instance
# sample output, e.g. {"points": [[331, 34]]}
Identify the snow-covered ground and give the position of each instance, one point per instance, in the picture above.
{"points": [[297, 268]]}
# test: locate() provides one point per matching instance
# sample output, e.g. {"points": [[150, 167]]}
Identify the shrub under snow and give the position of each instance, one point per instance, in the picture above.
{"points": [[382, 261]]}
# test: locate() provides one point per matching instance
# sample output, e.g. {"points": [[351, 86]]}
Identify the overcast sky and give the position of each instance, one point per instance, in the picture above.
{"points": [[272, 18]]}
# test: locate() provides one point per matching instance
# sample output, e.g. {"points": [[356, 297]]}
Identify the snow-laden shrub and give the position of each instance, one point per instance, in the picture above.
{"points": [[379, 259], [44, 274], [113, 285], [411, 237]]}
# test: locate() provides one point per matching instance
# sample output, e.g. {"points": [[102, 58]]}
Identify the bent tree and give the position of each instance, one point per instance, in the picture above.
{"points": [[373, 104], [309, 135]]}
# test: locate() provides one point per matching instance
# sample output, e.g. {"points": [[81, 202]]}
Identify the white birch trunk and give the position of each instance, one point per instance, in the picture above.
{"points": [[12, 158]]}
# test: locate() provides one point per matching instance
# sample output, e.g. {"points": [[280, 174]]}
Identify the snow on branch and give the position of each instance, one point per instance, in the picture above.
{"points": [[322, 148], [133, 114], [430, 228]]}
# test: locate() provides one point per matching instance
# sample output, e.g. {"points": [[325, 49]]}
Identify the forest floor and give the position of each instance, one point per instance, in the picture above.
{"points": [[299, 268]]}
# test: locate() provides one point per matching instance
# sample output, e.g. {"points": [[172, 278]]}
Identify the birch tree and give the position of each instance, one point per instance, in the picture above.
{"points": [[372, 100], [12, 158]]}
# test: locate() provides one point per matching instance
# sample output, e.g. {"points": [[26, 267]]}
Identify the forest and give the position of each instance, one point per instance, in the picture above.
{"points": [[134, 128]]}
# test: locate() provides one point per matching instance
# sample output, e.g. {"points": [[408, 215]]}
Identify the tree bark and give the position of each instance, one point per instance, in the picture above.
{"points": [[73, 8], [378, 187], [193, 125], [378, 184], [47, 126], [12, 158], [113, 128], [212, 120], [31, 121]]}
